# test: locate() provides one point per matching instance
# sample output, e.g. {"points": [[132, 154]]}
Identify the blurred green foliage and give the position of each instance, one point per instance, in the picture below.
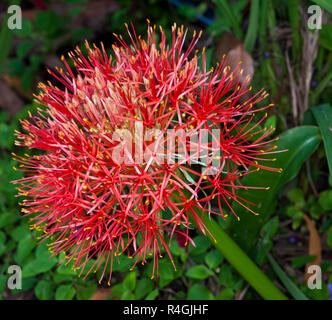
{"points": [[201, 271]]}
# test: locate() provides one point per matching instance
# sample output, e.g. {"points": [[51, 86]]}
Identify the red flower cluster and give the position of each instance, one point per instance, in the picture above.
{"points": [[109, 182]]}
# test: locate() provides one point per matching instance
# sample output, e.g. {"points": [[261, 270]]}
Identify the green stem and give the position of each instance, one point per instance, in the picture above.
{"points": [[236, 257], [241, 262]]}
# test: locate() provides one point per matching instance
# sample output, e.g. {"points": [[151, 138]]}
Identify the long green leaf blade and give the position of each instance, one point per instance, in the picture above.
{"points": [[300, 142], [288, 283], [323, 116], [227, 12], [326, 4], [251, 36]]}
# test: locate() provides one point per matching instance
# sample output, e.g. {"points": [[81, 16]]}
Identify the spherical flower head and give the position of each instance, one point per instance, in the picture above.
{"points": [[135, 149]]}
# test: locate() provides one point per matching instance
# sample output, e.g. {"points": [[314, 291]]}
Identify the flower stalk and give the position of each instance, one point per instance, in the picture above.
{"points": [[241, 262]]}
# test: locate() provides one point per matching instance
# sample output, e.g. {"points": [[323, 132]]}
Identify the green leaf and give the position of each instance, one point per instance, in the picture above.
{"points": [[166, 273], [199, 272], [323, 116], [318, 294], [144, 286], [325, 37], [6, 218], [326, 4], [225, 294], [130, 281], [66, 270], [44, 290], [325, 200], [299, 144], [127, 295], [198, 292], [226, 277], [300, 262], [152, 295], [296, 196], [225, 10], [39, 265], [294, 20], [23, 48], [20, 232], [61, 278], [251, 35], [270, 228], [24, 248], [329, 237], [3, 245], [6, 38], [26, 29], [271, 122], [288, 283], [213, 259], [201, 245], [48, 22], [118, 290], [85, 293], [27, 284], [65, 292]]}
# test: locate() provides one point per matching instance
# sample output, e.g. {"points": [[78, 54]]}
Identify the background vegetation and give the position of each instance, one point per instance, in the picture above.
{"points": [[290, 61]]}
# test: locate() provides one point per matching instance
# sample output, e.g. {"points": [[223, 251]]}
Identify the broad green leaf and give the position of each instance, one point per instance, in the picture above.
{"points": [[299, 143], [323, 116], [27, 284], [325, 37], [225, 294], [226, 277], [23, 48], [296, 196], [199, 272], [144, 286], [25, 246], [325, 200], [6, 218], [213, 259], [3, 246], [329, 237], [299, 262], [270, 228], [118, 290], [39, 265], [152, 295], [85, 293], [65, 292], [271, 122], [288, 283], [201, 245], [44, 290], [199, 292], [127, 295], [326, 4], [26, 29], [225, 10], [20, 232], [130, 281], [318, 294]]}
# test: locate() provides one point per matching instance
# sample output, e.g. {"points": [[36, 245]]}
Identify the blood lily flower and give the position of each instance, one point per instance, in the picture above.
{"points": [[136, 148]]}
